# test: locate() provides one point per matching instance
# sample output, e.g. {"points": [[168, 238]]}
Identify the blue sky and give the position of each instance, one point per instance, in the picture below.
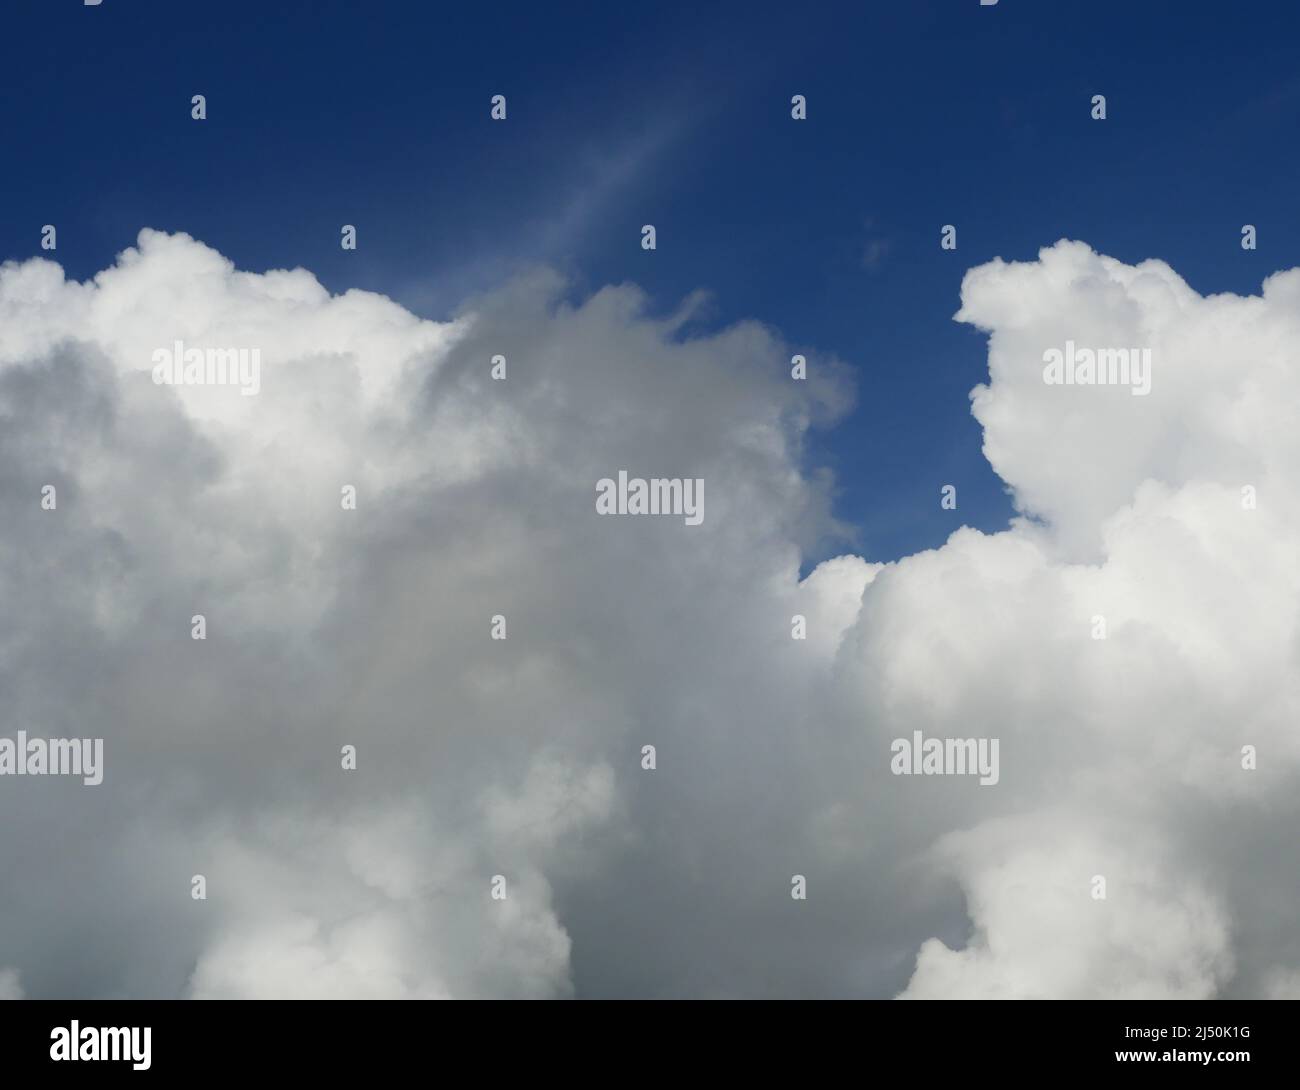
{"points": [[920, 114]]}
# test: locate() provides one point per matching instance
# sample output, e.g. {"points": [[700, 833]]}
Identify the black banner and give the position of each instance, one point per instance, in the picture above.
{"points": [[170, 1040]]}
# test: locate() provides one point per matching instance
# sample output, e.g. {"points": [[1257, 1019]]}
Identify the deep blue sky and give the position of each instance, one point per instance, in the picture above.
{"points": [[920, 113]]}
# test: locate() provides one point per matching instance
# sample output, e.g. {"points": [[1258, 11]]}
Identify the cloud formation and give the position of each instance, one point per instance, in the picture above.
{"points": [[521, 757]]}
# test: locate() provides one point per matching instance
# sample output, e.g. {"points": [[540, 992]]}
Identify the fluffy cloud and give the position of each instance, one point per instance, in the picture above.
{"points": [[1123, 757], [327, 627]]}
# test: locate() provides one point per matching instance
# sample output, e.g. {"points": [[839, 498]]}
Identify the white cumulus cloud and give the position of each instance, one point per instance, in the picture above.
{"points": [[1120, 758]]}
